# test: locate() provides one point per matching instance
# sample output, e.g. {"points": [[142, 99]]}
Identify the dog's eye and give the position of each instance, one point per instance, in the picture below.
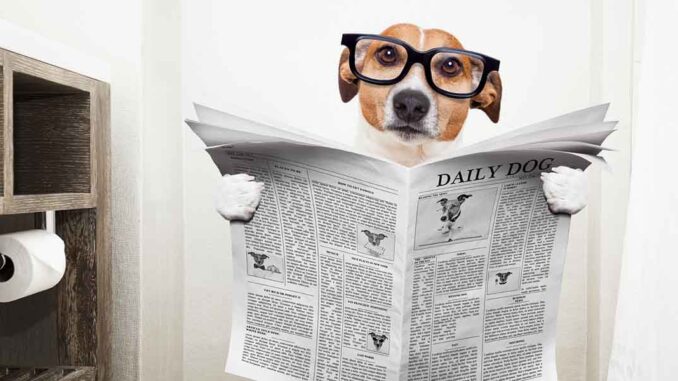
{"points": [[387, 55], [450, 66]]}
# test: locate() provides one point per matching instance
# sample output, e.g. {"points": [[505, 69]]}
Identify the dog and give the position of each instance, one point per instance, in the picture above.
{"points": [[502, 278], [374, 238], [378, 340], [410, 123], [451, 210], [258, 260]]}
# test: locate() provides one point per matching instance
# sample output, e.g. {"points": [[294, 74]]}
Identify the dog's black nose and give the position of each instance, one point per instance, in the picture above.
{"points": [[411, 105]]}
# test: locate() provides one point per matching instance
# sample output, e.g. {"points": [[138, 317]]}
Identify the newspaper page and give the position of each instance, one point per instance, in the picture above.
{"points": [[355, 268], [485, 262], [319, 270]]}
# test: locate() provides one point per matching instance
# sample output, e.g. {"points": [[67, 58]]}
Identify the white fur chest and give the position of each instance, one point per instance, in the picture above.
{"points": [[385, 144]]}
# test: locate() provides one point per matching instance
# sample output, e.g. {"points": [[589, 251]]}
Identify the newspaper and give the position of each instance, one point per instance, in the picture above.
{"points": [[357, 268]]}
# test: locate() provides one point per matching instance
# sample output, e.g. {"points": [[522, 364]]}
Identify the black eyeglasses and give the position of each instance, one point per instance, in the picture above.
{"points": [[383, 60]]}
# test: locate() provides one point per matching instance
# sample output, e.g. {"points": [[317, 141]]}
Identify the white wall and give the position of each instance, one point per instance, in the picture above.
{"points": [[613, 50], [276, 61], [248, 58], [162, 277]]}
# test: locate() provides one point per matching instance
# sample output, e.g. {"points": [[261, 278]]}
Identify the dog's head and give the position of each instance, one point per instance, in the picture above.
{"points": [[410, 109], [451, 208], [374, 238], [258, 258], [378, 340], [503, 277]]}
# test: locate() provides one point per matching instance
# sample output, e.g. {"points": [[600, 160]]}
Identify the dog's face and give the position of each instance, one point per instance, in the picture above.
{"points": [[258, 258], [378, 340], [374, 238], [503, 277], [451, 208], [411, 110]]}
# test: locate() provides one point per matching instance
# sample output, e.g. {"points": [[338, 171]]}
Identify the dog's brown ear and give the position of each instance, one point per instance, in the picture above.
{"points": [[348, 83], [489, 100]]}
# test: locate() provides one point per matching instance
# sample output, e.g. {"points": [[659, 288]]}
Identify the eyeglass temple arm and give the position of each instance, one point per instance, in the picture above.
{"points": [[493, 64]]}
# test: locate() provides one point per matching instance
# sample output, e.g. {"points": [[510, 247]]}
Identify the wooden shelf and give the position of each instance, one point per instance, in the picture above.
{"points": [[48, 374], [55, 156], [51, 119], [52, 139], [42, 202]]}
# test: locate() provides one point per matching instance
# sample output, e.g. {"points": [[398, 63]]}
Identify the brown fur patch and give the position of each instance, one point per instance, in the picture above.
{"points": [[372, 103], [452, 114], [405, 32], [436, 38]]}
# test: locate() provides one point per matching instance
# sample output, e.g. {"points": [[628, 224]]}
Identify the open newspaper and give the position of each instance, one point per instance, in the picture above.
{"points": [[357, 268]]}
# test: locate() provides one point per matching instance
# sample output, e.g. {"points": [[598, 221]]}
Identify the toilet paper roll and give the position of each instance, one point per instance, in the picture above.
{"points": [[35, 261]]}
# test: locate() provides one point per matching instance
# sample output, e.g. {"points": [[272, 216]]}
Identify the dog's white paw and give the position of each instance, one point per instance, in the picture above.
{"points": [[238, 197], [565, 190]]}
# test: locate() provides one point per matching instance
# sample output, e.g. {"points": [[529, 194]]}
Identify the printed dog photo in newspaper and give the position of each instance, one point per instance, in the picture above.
{"points": [[503, 280], [376, 242], [266, 266], [452, 217], [377, 342]]}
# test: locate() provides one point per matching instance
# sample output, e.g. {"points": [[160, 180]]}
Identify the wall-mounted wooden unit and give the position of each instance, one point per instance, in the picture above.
{"points": [[55, 156]]}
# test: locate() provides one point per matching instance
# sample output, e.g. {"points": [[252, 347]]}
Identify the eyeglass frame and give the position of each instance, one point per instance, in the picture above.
{"points": [[350, 40]]}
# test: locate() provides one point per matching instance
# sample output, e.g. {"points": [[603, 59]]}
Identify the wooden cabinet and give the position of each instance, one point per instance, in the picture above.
{"points": [[55, 155]]}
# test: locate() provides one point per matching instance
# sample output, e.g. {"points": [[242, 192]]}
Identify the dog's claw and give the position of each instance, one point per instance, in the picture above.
{"points": [[565, 190], [238, 196]]}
